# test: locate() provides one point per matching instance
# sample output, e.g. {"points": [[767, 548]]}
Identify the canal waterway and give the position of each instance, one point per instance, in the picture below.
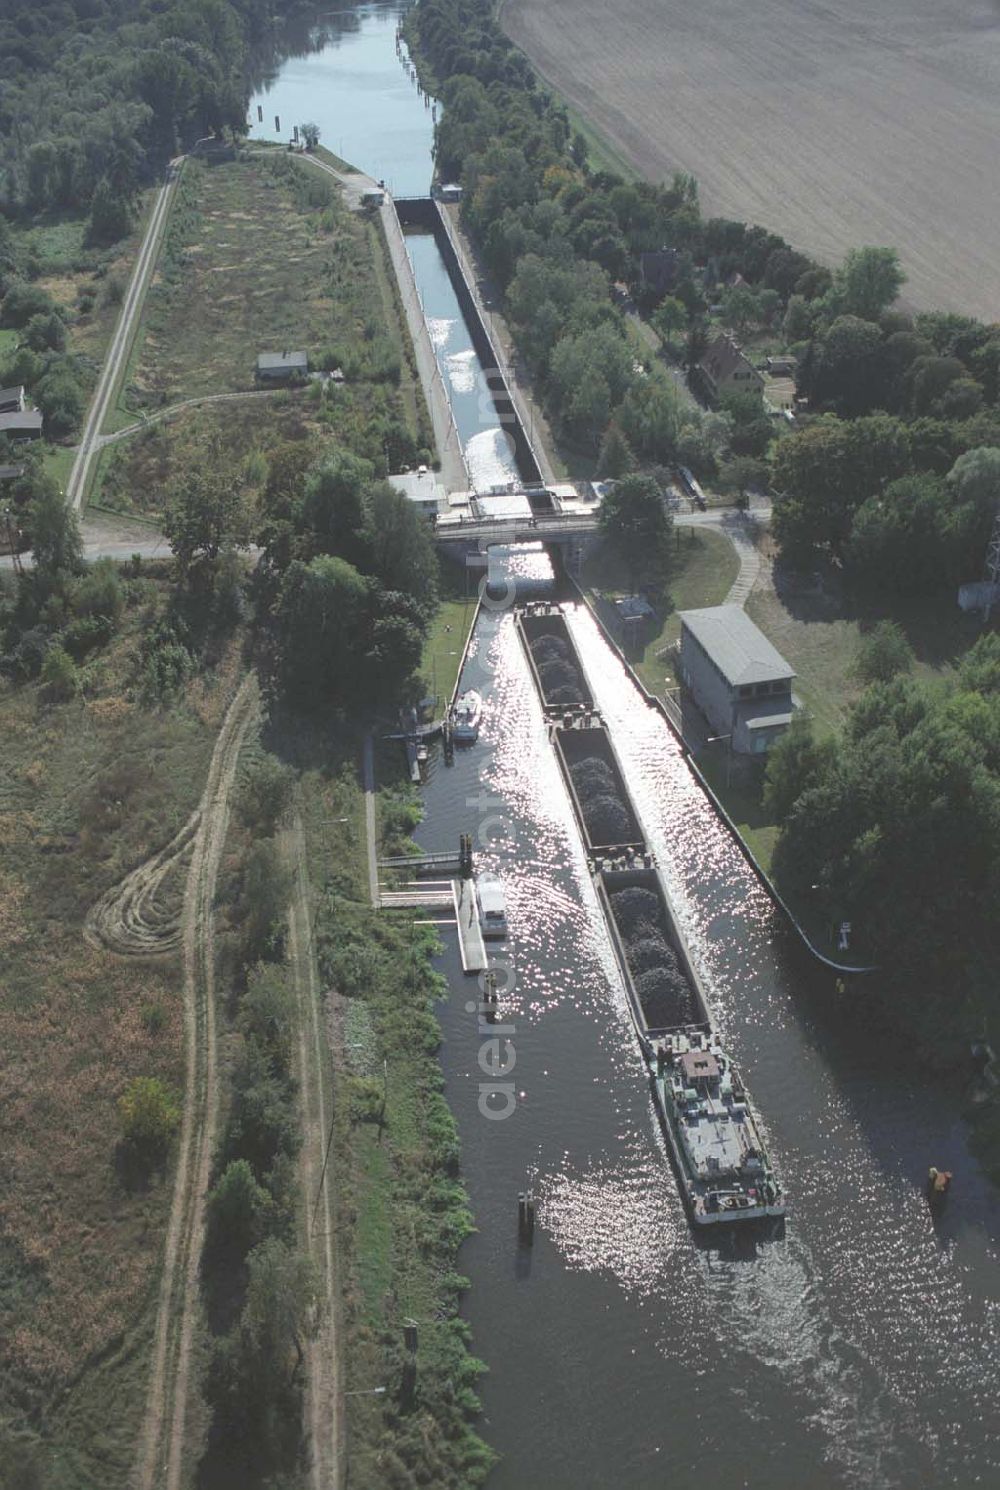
{"points": [[346, 75], [861, 1347]]}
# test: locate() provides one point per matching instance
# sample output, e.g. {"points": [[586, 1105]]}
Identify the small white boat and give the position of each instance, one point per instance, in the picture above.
{"points": [[492, 904], [467, 716]]}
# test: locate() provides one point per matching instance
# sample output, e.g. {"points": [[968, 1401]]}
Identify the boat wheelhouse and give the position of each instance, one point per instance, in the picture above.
{"points": [[466, 717]]}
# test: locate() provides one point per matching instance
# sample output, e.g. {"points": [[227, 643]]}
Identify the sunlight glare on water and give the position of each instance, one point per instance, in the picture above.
{"points": [[818, 1345]]}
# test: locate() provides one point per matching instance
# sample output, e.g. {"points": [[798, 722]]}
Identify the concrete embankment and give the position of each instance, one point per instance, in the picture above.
{"points": [[674, 725], [425, 213], [454, 472]]}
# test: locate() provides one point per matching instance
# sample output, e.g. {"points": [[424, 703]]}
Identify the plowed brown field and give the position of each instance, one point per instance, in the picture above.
{"points": [[833, 122]]}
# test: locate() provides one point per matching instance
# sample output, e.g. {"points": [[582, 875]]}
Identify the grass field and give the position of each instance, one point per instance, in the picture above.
{"points": [[88, 789], [448, 632], [820, 635], [704, 566], [260, 256], [834, 126], [136, 476], [401, 1208]]}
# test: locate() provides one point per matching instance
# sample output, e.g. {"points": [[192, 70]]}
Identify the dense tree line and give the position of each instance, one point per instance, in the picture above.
{"points": [[897, 480], [556, 236], [896, 828], [95, 97], [903, 398], [96, 94]]}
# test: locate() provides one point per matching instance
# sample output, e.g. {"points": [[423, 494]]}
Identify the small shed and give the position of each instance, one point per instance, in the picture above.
{"points": [[282, 367], [26, 425]]}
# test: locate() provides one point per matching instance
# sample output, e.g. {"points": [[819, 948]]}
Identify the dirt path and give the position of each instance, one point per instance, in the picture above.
{"points": [[324, 1402], [172, 410], [160, 1459], [134, 918]]}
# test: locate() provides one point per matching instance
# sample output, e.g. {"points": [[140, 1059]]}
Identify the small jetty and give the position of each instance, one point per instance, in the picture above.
{"points": [[440, 884], [470, 936]]}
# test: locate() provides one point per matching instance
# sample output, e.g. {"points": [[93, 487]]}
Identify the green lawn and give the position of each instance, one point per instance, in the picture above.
{"points": [[449, 631], [58, 462], [820, 637], [703, 568], [739, 791], [8, 341]]}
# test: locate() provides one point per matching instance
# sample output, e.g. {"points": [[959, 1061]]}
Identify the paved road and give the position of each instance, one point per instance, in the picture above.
{"points": [[739, 529], [121, 342]]}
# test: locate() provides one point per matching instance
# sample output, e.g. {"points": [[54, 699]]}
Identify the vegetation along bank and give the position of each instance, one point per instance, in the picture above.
{"points": [[188, 982]]}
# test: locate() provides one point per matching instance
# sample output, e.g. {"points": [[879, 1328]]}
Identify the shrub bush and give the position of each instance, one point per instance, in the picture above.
{"points": [[150, 1114]]}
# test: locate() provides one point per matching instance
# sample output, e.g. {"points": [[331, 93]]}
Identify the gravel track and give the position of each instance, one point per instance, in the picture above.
{"points": [[324, 1401], [163, 1438], [834, 124], [121, 342]]}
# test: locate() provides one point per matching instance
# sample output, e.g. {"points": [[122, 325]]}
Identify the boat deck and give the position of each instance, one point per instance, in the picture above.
{"points": [[715, 1138]]}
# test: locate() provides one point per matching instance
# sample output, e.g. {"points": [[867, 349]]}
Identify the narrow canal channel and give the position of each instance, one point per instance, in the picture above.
{"points": [[862, 1348]]}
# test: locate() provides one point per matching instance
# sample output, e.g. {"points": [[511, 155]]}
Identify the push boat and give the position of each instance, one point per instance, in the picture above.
{"points": [[466, 717], [712, 1130], [705, 1111]]}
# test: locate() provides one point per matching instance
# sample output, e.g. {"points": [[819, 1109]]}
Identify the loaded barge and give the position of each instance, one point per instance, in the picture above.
{"points": [[711, 1128]]}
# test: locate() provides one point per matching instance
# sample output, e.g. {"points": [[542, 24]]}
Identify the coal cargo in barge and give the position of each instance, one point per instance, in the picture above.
{"points": [[711, 1129], [553, 659], [596, 786]]}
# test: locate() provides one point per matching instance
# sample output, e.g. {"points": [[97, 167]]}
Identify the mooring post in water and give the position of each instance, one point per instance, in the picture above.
{"points": [[465, 856], [526, 1218], [490, 996]]}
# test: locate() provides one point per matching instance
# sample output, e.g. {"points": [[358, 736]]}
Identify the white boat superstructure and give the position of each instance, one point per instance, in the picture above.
{"points": [[492, 904], [466, 717], [713, 1130]]}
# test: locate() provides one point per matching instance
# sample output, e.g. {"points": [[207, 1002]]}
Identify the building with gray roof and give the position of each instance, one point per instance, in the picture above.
{"points": [[740, 682], [24, 426], [282, 367]]}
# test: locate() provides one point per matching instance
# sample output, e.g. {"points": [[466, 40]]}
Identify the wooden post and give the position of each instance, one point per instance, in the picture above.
{"points": [[526, 1218]]}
